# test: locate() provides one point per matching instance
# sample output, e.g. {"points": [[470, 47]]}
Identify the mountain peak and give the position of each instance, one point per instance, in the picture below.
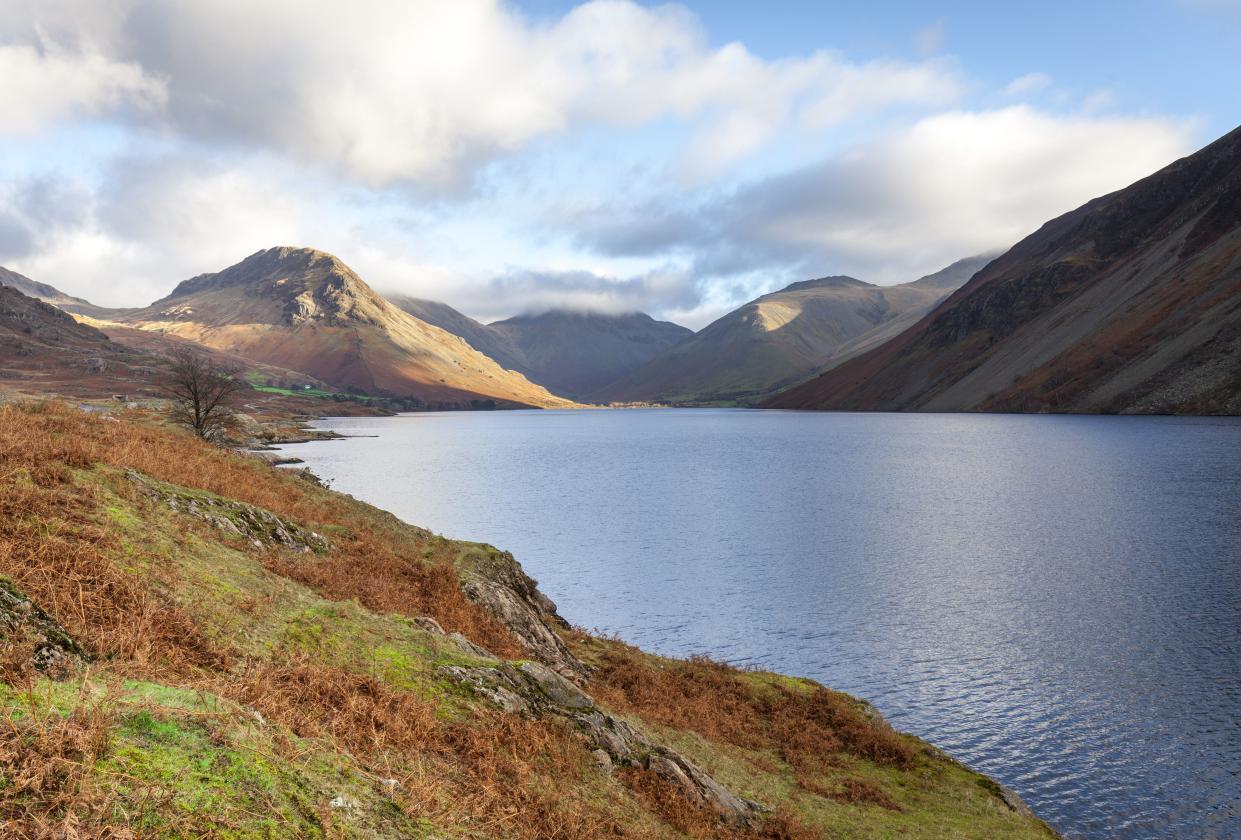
{"points": [[837, 281], [307, 285]]}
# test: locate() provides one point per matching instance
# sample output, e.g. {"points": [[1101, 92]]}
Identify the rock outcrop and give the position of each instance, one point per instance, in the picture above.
{"points": [[494, 580], [552, 686], [262, 528], [24, 624], [535, 690]]}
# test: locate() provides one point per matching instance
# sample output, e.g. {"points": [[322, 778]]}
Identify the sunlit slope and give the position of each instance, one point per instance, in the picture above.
{"points": [[784, 336], [305, 310]]}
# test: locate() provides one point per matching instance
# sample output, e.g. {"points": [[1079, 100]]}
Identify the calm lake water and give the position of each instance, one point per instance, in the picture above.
{"points": [[1054, 600]]}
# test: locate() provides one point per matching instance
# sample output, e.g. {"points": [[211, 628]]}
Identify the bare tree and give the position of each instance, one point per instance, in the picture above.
{"points": [[202, 392]]}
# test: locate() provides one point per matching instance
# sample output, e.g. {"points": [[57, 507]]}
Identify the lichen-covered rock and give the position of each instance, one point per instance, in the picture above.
{"points": [[261, 527], [495, 580], [24, 623], [559, 691], [700, 787], [535, 690], [466, 646]]}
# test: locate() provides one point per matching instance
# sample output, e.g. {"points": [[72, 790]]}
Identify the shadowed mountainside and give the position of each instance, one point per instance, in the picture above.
{"points": [[784, 336], [1131, 303], [48, 294], [305, 310], [478, 335], [45, 350], [578, 353], [570, 353]]}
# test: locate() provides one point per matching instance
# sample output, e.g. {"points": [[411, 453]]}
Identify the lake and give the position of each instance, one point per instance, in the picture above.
{"points": [[1054, 600]]}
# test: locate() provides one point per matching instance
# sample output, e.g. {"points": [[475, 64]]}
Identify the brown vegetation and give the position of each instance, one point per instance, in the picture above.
{"points": [[698, 821], [805, 726], [57, 552], [45, 761], [434, 755]]}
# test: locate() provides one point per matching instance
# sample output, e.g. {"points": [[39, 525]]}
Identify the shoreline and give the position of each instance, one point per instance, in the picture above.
{"points": [[1008, 795]]}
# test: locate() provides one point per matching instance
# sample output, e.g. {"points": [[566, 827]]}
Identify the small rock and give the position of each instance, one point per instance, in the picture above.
{"points": [[425, 622], [602, 760], [469, 647], [342, 803]]}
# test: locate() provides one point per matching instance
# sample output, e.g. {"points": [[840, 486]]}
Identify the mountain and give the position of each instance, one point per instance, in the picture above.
{"points": [[478, 335], [1131, 303], [45, 350], [46, 293], [570, 353], [305, 310], [785, 336], [577, 353]]}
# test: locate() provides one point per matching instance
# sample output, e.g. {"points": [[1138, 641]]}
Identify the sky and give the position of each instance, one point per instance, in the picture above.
{"points": [[509, 157]]}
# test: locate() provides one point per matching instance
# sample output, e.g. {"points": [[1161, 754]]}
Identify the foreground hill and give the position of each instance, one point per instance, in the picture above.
{"points": [[1131, 303], [46, 293], [571, 353], [45, 350], [785, 336], [199, 645], [305, 310]]}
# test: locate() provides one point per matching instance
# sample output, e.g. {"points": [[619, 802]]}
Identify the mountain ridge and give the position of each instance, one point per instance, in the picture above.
{"points": [[571, 352], [305, 310], [1130, 303], [781, 337]]}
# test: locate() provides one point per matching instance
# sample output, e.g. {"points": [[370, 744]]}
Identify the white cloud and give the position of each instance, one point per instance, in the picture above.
{"points": [[664, 289], [956, 184], [43, 84], [240, 119], [388, 91], [151, 224], [890, 210], [1027, 84]]}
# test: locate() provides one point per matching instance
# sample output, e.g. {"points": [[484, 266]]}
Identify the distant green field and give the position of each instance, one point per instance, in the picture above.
{"points": [[295, 392]]}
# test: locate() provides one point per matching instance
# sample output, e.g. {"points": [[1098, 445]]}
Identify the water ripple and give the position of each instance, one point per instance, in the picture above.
{"points": [[1054, 600]]}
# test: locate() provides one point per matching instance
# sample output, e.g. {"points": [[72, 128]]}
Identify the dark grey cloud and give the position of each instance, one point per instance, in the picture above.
{"points": [[16, 238], [34, 212]]}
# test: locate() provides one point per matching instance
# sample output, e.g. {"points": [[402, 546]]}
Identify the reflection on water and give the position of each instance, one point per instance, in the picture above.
{"points": [[1054, 600]]}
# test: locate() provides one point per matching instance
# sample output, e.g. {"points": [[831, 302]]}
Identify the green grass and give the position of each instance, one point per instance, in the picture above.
{"points": [[187, 764]]}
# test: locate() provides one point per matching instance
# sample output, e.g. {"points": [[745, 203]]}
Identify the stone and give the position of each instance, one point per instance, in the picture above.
{"points": [[425, 622], [495, 581], [466, 646], [525, 622], [261, 528], [535, 690], [602, 760], [559, 690], [22, 622]]}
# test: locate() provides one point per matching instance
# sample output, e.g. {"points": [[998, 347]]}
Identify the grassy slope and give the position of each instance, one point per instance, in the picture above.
{"points": [[245, 691]]}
